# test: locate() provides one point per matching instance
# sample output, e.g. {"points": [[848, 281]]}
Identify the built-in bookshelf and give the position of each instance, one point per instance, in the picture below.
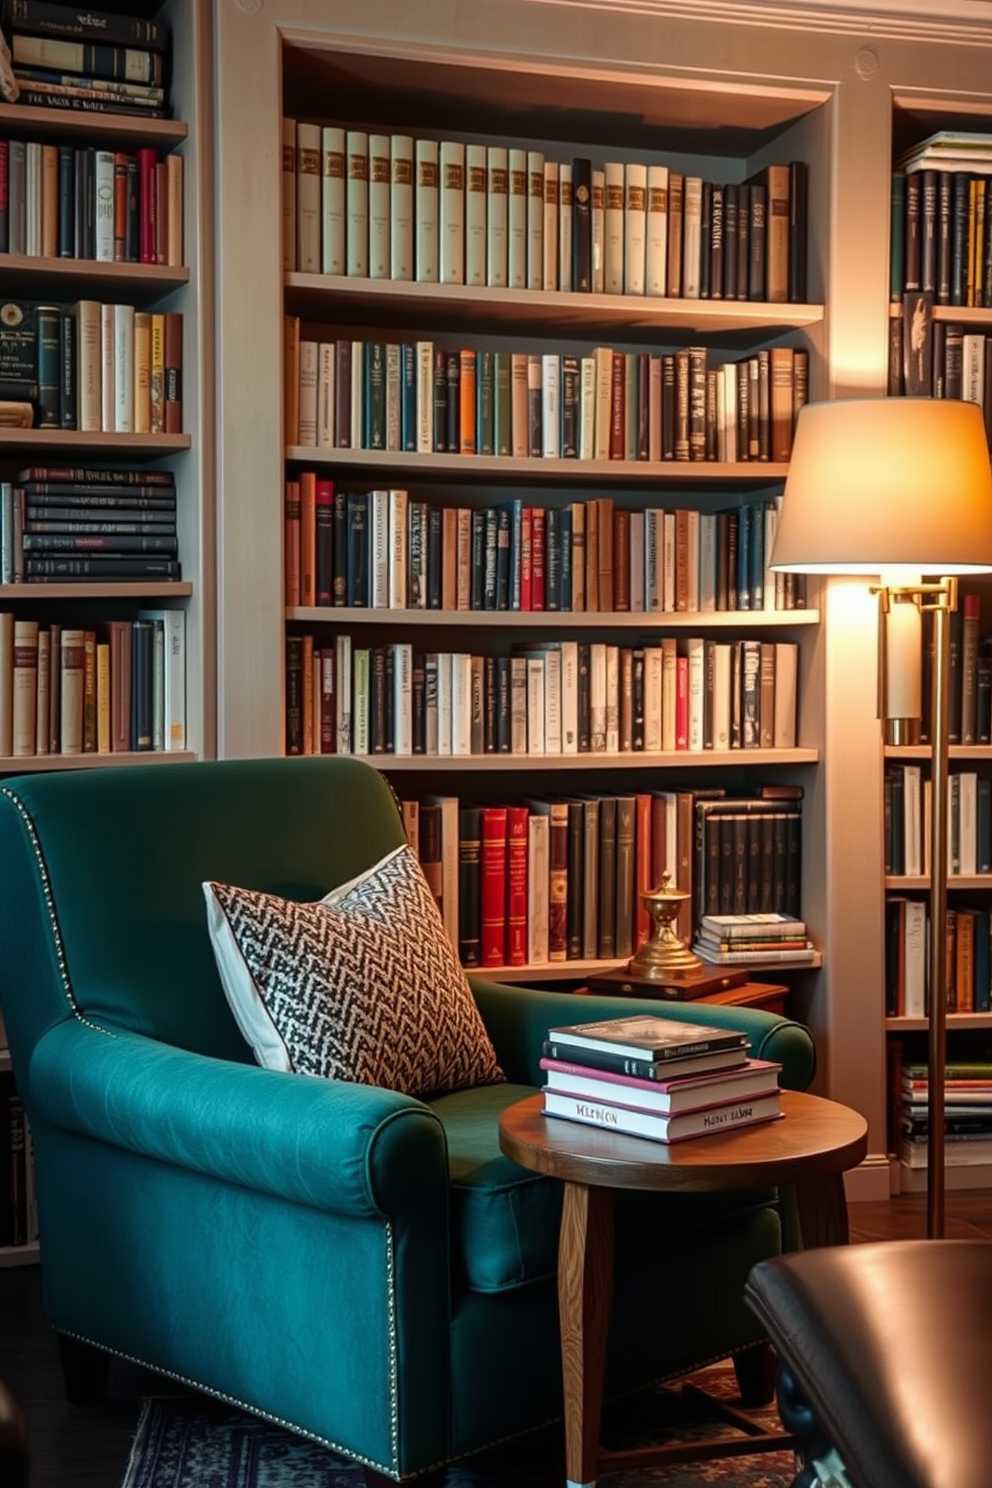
{"points": [[129, 450], [613, 417]]}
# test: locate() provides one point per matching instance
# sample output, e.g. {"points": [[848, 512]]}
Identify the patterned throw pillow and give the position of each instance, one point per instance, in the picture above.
{"points": [[362, 985]]}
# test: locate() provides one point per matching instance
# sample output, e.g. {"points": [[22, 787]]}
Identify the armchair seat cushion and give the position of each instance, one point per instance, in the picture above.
{"points": [[505, 1218]]}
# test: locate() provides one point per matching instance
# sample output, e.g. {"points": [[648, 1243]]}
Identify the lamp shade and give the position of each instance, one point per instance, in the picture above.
{"points": [[881, 483]]}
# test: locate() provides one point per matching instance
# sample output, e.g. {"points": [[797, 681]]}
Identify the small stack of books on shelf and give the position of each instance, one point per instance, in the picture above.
{"points": [[732, 939], [657, 1077], [70, 58], [967, 1115]]}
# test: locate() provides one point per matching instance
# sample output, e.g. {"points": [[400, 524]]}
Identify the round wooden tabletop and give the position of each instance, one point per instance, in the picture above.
{"points": [[814, 1138]]}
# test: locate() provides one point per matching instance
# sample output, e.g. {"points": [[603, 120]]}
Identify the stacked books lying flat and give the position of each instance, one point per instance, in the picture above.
{"points": [[656, 1077], [732, 939], [967, 1115], [89, 60]]}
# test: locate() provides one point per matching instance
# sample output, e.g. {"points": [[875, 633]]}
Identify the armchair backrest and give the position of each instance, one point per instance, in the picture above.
{"points": [[101, 910]]}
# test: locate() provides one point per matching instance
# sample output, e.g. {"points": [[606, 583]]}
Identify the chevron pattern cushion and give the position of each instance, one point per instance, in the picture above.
{"points": [[362, 985]]}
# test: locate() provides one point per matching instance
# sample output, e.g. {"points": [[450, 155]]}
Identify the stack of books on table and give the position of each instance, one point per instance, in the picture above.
{"points": [[657, 1077], [732, 939]]}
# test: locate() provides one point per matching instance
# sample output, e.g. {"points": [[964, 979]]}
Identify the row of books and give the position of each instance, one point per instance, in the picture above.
{"points": [[906, 791], [560, 878], [967, 1114], [120, 686], [82, 202], [70, 58], [382, 549], [419, 397], [54, 525], [389, 206], [93, 366], [545, 698], [18, 1192], [941, 218], [937, 358], [656, 1077], [907, 957]]}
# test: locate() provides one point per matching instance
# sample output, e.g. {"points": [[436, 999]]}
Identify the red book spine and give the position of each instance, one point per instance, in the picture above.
{"points": [[526, 565], [682, 702], [537, 557], [517, 833], [147, 205], [493, 886]]}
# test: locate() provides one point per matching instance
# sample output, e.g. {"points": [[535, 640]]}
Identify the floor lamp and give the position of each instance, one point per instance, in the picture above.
{"points": [[900, 488]]}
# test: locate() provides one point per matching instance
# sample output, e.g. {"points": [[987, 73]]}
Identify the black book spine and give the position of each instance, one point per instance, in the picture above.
{"points": [[441, 402], [573, 904], [960, 197], [477, 568], [502, 705], [758, 237], [339, 591], [434, 557], [357, 587], [67, 369], [294, 694], [67, 195], [582, 224], [715, 259], [453, 436], [490, 703], [798, 231], [502, 556], [945, 220], [141, 684], [470, 885]]}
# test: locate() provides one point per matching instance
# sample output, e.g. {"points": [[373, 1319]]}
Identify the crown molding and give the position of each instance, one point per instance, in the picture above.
{"points": [[962, 22]]}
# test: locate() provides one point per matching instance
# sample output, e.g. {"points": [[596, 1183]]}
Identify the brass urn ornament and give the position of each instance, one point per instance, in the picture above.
{"points": [[663, 957]]}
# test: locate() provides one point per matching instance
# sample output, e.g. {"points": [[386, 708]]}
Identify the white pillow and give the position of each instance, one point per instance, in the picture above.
{"points": [[362, 985]]}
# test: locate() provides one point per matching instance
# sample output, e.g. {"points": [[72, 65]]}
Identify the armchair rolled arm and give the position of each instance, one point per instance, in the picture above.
{"points": [[518, 1019], [353, 1149]]}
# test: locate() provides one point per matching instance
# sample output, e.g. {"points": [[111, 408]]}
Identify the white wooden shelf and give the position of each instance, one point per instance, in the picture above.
{"points": [[600, 472], [628, 760], [17, 764], [560, 619], [28, 121], [131, 589], [111, 446]]}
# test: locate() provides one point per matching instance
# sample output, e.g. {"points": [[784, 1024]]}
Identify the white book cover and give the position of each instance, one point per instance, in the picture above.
{"points": [[357, 203], [598, 228], [654, 598], [497, 215], [357, 394], [308, 194], [538, 887], [444, 702], [403, 698], [393, 396], [786, 693], [612, 730], [517, 220], [379, 550], [476, 190], [308, 392], [342, 694], [425, 211], [325, 393], [635, 226], [915, 958], [451, 230], [551, 406], [613, 248], [535, 704], [668, 561], [913, 819], [401, 207], [361, 666], [399, 549], [656, 232], [108, 372], [695, 651], [587, 408], [123, 369], [288, 195], [103, 185], [333, 231], [518, 705], [692, 236], [380, 211], [968, 811], [597, 697], [425, 397], [461, 702], [535, 219], [552, 699], [569, 697], [173, 624], [565, 225], [637, 566], [551, 213], [720, 725], [769, 589], [663, 1129]]}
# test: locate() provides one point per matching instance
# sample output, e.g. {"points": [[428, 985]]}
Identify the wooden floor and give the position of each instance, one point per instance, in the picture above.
{"points": [[89, 1448]]}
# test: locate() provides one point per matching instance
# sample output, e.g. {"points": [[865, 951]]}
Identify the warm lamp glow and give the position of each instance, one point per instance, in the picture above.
{"points": [[881, 483]]}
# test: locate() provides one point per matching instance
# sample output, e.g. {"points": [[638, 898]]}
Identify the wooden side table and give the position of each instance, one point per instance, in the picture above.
{"points": [[729, 989], [811, 1147]]}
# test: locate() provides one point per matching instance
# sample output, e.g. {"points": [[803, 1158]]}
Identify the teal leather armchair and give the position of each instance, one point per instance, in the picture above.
{"points": [[362, 1266]]}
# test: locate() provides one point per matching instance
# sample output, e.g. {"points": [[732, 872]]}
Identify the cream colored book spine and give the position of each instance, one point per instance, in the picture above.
{"points": [[692, 237], [426, 206], [565, 225], [401, 207], [73, 646], [380, 224], [517, 220], [497, 206], [656, 232], [308, 393], [635, 188], [551, 213], [142, 372], [308, 212], [357, 202], [89, 369], [598, 228], [333, 232], [535, 219], [288, 195], [475, 214], [613, 245], [452, 212]]}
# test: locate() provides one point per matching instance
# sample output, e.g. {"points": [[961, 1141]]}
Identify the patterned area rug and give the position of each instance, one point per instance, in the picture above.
{"points": [[197, 1443]]}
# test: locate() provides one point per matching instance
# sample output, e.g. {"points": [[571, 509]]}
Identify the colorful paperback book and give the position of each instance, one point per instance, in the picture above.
{"points": [[645, 1036], [640, 1123], [688, 1092]]}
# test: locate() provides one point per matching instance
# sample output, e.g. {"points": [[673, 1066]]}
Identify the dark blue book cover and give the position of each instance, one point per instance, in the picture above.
{"points": [[408, 397], [744, 522], [357, 578], [565, 576]]}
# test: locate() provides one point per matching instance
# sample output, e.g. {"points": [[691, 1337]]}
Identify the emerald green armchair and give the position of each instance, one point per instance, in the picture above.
{"points": [[362, 1266]]}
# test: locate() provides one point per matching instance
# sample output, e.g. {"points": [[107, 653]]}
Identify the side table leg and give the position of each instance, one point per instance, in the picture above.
{"points": [[585, 1281], [822, 1211]]}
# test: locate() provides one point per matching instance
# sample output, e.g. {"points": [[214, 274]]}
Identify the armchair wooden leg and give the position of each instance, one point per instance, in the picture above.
{"points": [[755, 1371], [84, 1370]]}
